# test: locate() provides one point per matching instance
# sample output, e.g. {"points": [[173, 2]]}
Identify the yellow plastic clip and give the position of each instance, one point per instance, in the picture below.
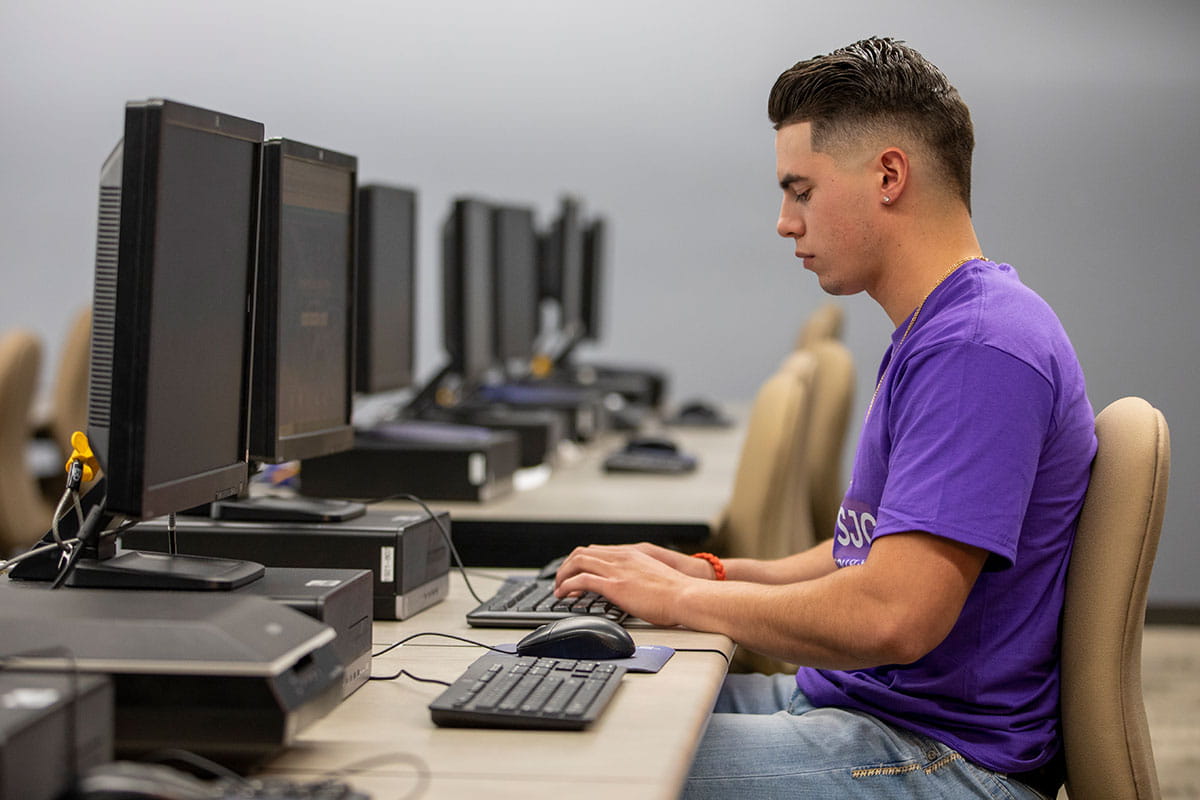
{"points": [[541, 366], [82, 453]]}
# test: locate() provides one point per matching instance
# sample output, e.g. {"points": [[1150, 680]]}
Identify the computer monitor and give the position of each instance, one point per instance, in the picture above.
{"points": [[170, 360], [387, 253], [302, 386], [303, 382], [595, 257], [467, 315], [562, 269], [515, 283]]}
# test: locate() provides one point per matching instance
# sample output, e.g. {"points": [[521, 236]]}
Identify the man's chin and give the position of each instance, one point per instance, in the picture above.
{"points": [[832, 286]]}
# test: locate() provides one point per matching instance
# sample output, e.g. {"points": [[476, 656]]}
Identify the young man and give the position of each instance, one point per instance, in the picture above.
{"points": [[928, 627]]}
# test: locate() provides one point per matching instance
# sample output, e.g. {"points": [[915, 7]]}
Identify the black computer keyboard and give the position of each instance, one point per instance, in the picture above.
{"points": [[503, 691], [530, 602], [651, 461]]}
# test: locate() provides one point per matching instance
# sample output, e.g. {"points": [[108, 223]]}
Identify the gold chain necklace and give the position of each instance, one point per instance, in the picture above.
{"points": [[911, 322]]}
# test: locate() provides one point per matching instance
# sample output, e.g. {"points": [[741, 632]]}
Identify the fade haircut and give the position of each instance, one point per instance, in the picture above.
{"points": [[873, 87]]}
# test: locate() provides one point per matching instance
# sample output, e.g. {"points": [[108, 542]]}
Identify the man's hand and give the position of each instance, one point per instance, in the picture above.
{"points": [[643, 579]]}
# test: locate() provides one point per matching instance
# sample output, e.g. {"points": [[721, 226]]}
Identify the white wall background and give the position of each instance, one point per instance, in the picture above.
{"points": [[1087, 170]]}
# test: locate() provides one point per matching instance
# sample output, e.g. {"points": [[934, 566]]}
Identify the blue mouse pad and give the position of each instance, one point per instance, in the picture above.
{"points": [[647, 658]]}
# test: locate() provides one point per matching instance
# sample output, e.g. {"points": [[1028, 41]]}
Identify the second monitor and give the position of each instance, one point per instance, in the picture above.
{"points": [[302, 389]]}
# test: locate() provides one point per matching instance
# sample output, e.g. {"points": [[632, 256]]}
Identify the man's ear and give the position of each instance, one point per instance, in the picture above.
{"points": [[892, 168]]}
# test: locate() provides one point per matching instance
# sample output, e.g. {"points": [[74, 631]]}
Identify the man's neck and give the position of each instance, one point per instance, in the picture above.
{"points": [[919, 259]]}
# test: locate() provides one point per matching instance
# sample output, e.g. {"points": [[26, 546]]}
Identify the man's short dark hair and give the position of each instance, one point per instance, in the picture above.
{"points": [[873, 86]]}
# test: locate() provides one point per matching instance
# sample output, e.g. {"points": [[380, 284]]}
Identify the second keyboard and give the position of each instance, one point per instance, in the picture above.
{"points": [[530, 602]]}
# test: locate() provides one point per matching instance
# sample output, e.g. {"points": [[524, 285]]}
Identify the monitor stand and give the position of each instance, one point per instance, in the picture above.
{"points": [[286, 509], [99, 563], [132, 569]]}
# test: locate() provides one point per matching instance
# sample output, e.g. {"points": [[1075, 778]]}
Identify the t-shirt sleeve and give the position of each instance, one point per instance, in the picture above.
{"points": [[967, 423]]}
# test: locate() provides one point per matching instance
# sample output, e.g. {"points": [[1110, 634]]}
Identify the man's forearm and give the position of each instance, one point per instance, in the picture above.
{"points": [[893, 609], [813, 563]]}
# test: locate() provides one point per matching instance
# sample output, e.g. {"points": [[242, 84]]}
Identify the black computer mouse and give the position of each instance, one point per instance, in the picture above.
{"points": [[699, 408], [580, 636], [700, 412], [659, 444]]}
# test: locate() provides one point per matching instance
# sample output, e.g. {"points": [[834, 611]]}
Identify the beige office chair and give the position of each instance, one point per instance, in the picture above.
{"points": [[833, 398], [827, 322], [67, 409], [768, 514], [1107, 739], [24, 514], [69, 399]]}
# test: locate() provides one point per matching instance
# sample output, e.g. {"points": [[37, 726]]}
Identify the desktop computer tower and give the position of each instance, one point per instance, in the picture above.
{"points": [[538, 430], [432, 461], [583, 410], [640, 386], [230, 676], [53, 726], [408, 558], [340, 598]]}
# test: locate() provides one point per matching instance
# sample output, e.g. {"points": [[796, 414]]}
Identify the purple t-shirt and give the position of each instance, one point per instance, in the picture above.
{"points": [[981, 432]]}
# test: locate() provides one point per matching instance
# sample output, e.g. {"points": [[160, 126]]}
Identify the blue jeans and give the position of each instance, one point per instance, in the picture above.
{"points": [[766, 740]]}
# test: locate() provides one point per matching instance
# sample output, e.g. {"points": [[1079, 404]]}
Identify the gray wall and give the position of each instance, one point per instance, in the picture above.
{"points": [[1086, 169]]}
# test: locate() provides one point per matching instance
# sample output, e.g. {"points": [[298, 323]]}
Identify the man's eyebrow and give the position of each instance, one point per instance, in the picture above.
{"points": [[787, 180]]}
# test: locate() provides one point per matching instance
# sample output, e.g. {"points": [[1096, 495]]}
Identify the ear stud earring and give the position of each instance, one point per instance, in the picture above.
{"points": [[887, 199]]}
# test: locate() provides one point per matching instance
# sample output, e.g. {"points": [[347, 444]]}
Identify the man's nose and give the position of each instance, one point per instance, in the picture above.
{"points": [[789, 225]]}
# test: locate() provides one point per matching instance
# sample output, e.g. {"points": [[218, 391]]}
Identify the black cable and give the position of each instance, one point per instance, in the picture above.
{"points": [[34, 553], [407, 639], [86, 532], [406, 674], [478, 572], [445, 535], [90, 528]]}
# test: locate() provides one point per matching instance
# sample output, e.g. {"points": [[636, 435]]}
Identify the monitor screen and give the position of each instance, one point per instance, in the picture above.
{"points": [[175, 260], [595, 255], [304, 314], [387, 254], [515, 281], [467, 327], [562, 268]]}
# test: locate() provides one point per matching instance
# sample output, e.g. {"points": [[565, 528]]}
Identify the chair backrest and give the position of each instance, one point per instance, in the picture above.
{"points": [[1106, 737], [833, 397], [24, 515], [826, 322], [69, 399], [768, 513]]}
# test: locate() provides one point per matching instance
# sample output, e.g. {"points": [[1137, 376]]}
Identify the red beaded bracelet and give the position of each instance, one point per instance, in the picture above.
{"points": [[718, 567]]}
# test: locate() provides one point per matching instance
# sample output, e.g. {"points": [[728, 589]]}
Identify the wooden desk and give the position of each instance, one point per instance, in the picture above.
{"points": [[641, 747], [580, 503]]}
